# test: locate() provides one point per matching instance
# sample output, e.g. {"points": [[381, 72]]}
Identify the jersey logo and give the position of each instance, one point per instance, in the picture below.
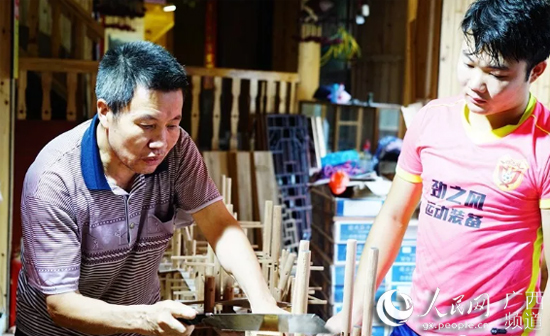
{"points": [[509, 173]]}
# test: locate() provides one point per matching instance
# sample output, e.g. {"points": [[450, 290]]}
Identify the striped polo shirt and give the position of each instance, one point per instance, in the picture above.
{"points": [[81, 233]]}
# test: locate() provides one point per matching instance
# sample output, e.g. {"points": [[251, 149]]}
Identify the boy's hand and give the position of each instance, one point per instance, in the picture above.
{"points": [[336, 324]]}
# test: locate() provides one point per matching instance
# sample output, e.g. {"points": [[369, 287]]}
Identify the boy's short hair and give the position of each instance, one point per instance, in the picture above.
{"points": [[509, 29], [134, 64]]}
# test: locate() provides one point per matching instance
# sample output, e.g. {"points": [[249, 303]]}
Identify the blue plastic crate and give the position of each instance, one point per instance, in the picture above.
{"points": [[407, 254], [344, 230], [340, 253], [366, 207], [401, 272], [337, 293]]}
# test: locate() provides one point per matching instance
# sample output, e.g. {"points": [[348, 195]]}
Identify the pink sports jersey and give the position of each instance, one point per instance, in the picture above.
{"points": [[479, 233]]}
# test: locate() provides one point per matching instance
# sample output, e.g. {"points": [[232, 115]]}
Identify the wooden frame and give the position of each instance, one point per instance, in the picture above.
{"points": [[6, 153]]}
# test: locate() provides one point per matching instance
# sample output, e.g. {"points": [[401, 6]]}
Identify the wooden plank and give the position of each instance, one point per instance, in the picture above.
{"points": [[282, 97], [21, 96], [32, 46], [57, 65], [243, 74], [6, 136], [270, 94], [56, 29], [253, 109], [216, 114], [235, 91], [358, 132], [72, 81], [46, 101], [266, 186], [240, 170], [337, 127], [78, 39], [216, 163], [195, 107], [293, 102]]}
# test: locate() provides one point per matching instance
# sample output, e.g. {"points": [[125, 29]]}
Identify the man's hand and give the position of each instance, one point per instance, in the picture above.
{"points": [[160, 319]]}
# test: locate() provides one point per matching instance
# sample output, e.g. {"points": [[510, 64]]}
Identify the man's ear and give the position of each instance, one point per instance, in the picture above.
{"points": [[104, 113], [537, 71]]}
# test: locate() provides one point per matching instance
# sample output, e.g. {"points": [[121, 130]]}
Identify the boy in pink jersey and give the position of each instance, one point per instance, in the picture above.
{"points": [[480, 164]]}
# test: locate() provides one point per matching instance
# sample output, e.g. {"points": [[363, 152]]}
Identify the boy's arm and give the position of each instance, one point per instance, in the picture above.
{"points": [[545, 307], [386, 234]]}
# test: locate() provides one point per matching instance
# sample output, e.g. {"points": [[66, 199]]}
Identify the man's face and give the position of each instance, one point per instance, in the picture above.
{"points": [[142, 134], [490, 88]]}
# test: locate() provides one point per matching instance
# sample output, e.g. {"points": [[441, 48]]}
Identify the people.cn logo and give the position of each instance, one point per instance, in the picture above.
{"points": [[391, 315]]}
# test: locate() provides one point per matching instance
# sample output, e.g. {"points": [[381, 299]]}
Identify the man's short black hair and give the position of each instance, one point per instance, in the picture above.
{"points": [[134, 64], [509, 29]]}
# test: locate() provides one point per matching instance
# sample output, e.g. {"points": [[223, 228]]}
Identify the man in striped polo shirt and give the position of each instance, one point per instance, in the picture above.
{"points": [[100, 203]]}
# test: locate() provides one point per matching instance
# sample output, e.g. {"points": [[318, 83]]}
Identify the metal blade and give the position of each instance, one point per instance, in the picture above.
{"points": [[309, 324]]}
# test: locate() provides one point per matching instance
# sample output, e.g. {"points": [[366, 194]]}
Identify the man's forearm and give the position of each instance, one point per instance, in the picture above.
{"points": [[386, 235], [238, 258], [87, 315]]}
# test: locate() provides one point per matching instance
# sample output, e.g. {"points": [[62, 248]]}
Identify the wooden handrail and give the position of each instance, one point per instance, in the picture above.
{"points": [[57, 65], [243, 74], [268, 92], [95, 30]]}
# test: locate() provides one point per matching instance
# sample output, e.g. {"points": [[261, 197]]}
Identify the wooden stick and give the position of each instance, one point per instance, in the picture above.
{"points": [[304, 245], [211, 258], [275, 245], [282, 259], [209, 294], [299, 301], [224, 189], [268, 217], [285, 274], [351, 250], [368, 299], [228, 189]]}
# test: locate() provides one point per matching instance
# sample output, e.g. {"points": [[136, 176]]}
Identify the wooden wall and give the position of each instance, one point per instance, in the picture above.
{"points": [[451, 41], [383, 41]]}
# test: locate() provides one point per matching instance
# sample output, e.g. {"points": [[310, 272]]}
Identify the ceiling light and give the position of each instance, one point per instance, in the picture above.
{"points": [[169, 8]]}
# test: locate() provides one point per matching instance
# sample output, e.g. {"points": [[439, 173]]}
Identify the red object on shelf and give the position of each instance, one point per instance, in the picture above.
{"points": [[338, 182], [14, 274]]}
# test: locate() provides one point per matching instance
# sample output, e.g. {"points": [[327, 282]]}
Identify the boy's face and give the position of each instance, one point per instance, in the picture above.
{"points": [[490, 88]]}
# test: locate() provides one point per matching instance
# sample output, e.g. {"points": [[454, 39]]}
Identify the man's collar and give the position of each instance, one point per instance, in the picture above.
{"points": [[92, 168]]}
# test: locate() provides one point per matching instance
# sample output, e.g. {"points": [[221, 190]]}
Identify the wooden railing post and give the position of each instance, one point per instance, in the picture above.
{"points": [[21, 95], [195, 107], [56, 29], [72, 81], [235, 90], [46, 90], [216, 115]]}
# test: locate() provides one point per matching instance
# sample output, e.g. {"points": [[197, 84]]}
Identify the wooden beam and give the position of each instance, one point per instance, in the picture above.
{"points": [[93, 29], [242, 74], [57, 65], [6, 136]]}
